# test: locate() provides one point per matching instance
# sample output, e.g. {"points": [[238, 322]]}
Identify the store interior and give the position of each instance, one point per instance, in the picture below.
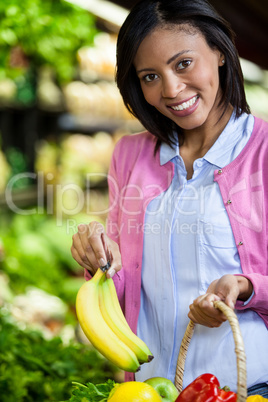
{"points": [[61, 115]]}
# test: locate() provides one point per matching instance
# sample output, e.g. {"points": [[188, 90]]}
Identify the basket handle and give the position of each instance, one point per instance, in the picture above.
{"points": [[239, 350]]}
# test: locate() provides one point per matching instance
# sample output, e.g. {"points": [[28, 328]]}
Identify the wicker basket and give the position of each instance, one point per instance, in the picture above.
{"points": [[239, 350]]}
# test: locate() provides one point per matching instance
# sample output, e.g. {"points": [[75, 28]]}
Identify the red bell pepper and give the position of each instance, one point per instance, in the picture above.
{"points": [[206, 388]]}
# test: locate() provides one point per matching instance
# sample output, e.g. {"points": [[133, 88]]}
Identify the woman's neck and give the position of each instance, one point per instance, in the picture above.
{"points": [[197, 142]]}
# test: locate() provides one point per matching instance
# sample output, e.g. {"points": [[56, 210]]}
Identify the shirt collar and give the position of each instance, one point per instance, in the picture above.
{"points": [[167, 153], [218, 154]]}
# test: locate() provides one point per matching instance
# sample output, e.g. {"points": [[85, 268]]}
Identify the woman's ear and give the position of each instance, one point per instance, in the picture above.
{"points": [[221, 60]]}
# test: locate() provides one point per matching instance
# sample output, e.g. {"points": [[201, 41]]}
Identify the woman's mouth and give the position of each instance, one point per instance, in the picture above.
{"points": [[185, 108], [185, 105]]}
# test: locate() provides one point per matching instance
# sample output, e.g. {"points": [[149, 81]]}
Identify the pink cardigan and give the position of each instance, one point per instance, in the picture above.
{"points": [[136, 177]]}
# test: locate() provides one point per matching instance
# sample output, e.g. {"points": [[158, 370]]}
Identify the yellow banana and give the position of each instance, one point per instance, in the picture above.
{"points": [[114, 317], [96, 329]]}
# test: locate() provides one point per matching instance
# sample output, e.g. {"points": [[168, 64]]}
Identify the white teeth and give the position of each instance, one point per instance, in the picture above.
{"points": [[185, 105]]}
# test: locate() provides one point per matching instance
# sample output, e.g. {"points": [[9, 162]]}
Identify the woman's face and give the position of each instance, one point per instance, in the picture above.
{"points": [[179, 76]]}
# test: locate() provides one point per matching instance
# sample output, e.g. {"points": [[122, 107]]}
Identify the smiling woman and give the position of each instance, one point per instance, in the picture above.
{"points": [[181, 83], [201, 164], [213, 31]]}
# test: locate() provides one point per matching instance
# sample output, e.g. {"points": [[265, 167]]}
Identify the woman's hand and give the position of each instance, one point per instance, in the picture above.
{"points": [[228, 288], [92, 249]]}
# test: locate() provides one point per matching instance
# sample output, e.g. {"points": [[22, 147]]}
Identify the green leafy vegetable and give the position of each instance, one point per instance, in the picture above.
{"points": [[35, 244], [48, 32], [33, 369], [91, 392]]}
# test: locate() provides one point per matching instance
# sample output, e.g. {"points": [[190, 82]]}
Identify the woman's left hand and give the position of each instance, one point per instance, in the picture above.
{"points": [[228, 289]]}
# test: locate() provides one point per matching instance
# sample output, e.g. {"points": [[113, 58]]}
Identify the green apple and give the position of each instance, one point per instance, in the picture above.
{"points": [[165, 388]]}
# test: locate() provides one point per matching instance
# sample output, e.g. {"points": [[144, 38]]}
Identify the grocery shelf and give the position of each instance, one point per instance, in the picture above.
{"points": [[87, 124], [21, 198]]}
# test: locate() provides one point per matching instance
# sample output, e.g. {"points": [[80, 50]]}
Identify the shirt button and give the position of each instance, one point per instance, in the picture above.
{"points": [[229, 202], [220, 171], [240, 243]]}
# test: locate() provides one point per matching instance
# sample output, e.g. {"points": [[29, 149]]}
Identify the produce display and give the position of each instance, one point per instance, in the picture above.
{"points": [[73, 157], [98, 60], [34, 34], [204, 389], [99, 99], [103, 322], [35, 252], [154, 389], [36, 369], [74, 174], [95, 93]]}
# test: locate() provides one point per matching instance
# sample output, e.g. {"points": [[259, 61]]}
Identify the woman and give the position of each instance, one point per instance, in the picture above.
{"points": [[187, 219]]}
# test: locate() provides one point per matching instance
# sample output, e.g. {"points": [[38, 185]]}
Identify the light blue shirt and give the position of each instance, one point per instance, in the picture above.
{"points": [[188, 242]]}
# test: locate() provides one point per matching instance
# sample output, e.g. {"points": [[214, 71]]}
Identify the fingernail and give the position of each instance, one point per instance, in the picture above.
{"points": [[111, 272], [102, 262]]}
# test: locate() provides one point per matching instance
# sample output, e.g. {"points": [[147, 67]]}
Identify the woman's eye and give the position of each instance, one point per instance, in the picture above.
{"points": [[149, 77], [184, 64]]}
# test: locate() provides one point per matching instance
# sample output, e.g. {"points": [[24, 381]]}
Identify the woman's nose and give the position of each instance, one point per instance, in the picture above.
{"points": [[171, 87]]}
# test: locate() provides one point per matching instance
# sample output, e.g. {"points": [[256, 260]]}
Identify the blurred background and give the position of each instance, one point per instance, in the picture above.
{"points": [[60, 118]]}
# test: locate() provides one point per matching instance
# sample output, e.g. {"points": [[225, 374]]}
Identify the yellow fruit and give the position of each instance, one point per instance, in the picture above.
{"points": [[134, 391], [97, 330], [114, 317]]}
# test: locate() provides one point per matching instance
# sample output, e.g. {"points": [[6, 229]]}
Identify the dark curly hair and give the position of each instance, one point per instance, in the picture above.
{"points": [[199, 14]]}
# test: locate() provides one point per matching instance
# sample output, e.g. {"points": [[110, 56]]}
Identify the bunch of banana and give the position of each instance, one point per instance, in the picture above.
{"points": [[104, 324]]}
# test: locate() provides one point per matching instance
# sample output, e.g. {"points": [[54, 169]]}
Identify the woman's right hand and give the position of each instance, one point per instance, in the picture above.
{"points": [[92, 248]]}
